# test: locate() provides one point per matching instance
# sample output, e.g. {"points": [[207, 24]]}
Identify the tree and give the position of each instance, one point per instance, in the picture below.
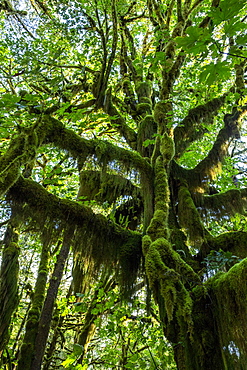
{"points": [[121, 127]]}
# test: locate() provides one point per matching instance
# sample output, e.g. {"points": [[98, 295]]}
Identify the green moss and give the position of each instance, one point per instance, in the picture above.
{"points": [[143, 109], [227, 203], [164, 269], [147, 187], [146, 242], [146, 131], [162, 192], [191, 128], [143, 89], [229, 291], [233, 241], [26, 353], [146, 100], [189, 217], [158, 225], [162, 112], [199, 291], [167, 148]]}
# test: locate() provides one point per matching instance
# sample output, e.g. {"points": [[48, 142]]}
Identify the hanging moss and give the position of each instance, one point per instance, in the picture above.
{"points": [[129, 213], [147, 189], [162, 110], [191, 128], [189, 217], [165, 280], [105, 187], [96, 236], [167, 148], [227, 203], [229, 290], [143, 90], [129, 257], [146, 131]]}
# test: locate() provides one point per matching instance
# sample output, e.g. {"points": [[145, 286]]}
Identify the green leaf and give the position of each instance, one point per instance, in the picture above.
{"points": [[226, 10], [215, 72], [78, 349], [68, 362], [241, 40], [232, 27], [196, 41]]}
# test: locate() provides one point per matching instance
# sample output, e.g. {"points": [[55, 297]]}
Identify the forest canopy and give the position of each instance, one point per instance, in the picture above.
{"points": [[122, 191]]}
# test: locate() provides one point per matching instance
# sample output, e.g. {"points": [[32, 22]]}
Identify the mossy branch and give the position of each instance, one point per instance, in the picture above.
{"points": [[166, 271], [189, 217], [99, 237], [233, 241], [191, 128], [206, 170], [106, 187], [228, 203], [211, 164], [81, 148], [22, 150], [229, 293]]}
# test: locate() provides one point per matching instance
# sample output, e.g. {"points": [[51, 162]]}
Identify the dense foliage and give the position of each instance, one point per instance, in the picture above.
{"points": [[123, 189]]}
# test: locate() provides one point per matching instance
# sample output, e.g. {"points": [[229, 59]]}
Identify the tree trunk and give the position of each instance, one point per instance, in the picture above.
{"points": [[46, 314], [9, 278]]}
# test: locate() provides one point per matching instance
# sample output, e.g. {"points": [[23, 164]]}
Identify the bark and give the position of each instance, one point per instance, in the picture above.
{"points": [[46, 314], [9, 278], [27, 348]]}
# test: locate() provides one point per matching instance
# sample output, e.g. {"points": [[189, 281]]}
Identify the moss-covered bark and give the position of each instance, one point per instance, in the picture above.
{"points": [[27, 351], [9, 279], [47, 309], [229, 295]]}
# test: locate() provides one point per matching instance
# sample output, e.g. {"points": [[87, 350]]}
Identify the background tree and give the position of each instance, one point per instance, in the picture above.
{"points": [[122, 169]]}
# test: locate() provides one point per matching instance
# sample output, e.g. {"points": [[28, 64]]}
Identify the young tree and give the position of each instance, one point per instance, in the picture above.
{"points": [[121, 127]]}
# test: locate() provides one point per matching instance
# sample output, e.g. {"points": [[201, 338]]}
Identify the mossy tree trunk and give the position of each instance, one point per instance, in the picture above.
{"points": [[9, 277], [134, 169]]}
